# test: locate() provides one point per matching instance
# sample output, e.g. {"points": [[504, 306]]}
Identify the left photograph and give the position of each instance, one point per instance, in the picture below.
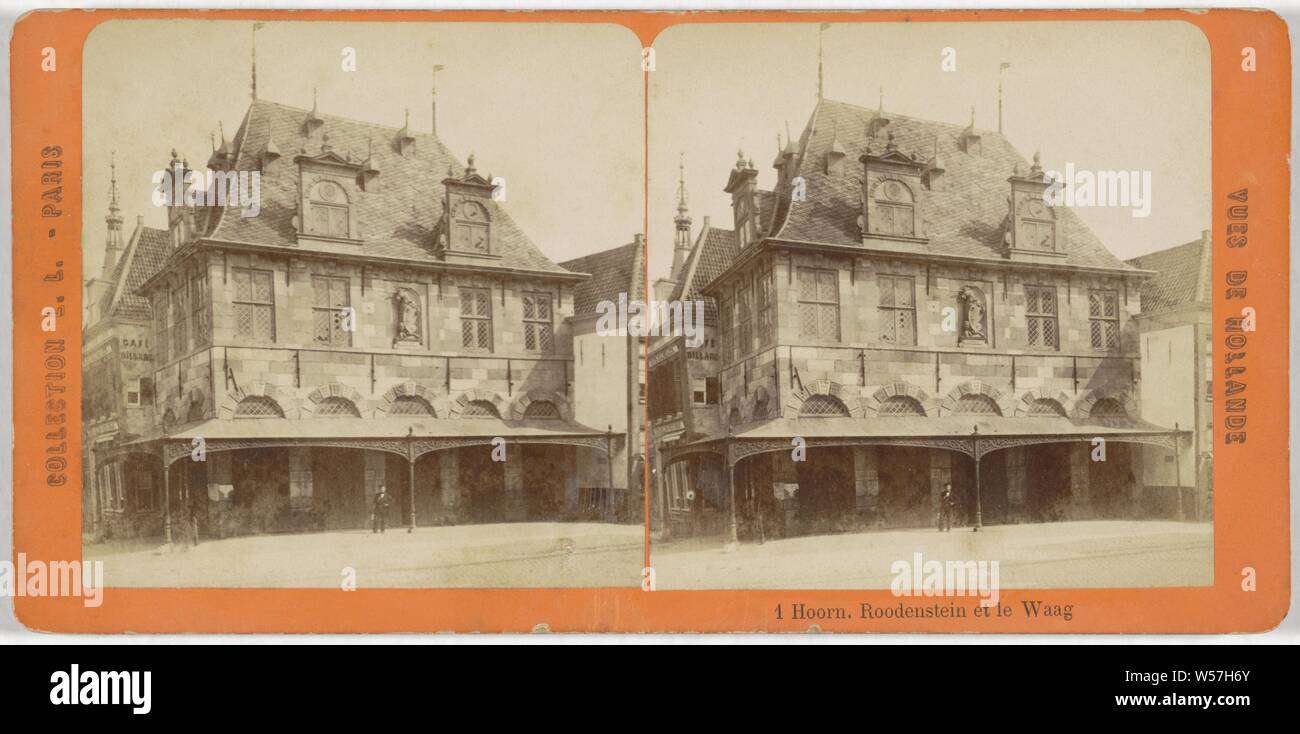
{"points": [[343, 315]]}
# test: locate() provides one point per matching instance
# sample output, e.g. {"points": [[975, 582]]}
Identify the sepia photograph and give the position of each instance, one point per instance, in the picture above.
{"points": [[341, 314], [957, 299]]}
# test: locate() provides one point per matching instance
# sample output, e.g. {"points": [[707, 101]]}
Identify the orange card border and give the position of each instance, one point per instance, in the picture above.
{"points": [[1251, 114]]}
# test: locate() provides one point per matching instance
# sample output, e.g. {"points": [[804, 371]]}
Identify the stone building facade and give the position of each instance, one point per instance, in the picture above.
{"points": [[1177, 361], [381, 321], [903, 311]]}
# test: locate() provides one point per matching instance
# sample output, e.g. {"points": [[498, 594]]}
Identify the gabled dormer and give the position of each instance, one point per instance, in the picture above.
{"points": [[742, 184], [328, 196], [835, 153], [969, 141], [404, 142], [1032, 229], [466, 230], [893, 199]]}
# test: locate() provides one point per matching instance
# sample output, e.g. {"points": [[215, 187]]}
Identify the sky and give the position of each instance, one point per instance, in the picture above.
{"points": [[1117, 95], [555, 109]]}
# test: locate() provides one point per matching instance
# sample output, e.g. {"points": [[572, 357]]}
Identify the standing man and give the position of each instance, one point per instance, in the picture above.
{"points": [[946, 508], [379, 519]]}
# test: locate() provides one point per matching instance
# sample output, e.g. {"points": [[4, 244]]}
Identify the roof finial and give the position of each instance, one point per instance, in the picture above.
{"points": [[313, 101], [212, 141], [469, 166], [821, 89], [740, 157], [256, 26], [433, 77]]}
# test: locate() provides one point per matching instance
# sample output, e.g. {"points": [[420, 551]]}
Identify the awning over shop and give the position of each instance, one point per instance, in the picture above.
{"points": [[414, 435], [971, 435]]}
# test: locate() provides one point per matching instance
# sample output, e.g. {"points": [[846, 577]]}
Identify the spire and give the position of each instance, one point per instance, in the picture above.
{"points": [[113, 236], [681, 186], [682, 236], [112, 183], [880, 106]]}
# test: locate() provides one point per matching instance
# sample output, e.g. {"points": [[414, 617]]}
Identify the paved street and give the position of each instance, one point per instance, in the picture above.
{"points": [[1051, 555], [468, 556]]}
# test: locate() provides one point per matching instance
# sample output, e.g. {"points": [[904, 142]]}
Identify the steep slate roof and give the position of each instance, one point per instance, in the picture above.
{"points": [[965, 218], [1183, 276], [399, 212], [713, 253], [613, 272], [143, 257]]}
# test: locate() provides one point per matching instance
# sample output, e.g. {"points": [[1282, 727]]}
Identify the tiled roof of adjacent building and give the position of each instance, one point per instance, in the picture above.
{"points": [[613, 272], [397, 217], [142, 258], [1183, 276], [713, 253], [965, 218]]}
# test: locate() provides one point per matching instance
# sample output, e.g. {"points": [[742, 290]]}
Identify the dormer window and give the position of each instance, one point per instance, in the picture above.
{"points": [[893, 210], [327, 210], [471, 228], [1037, 228]]}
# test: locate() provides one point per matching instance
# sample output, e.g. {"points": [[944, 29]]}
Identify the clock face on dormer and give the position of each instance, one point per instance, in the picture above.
{"points": [[471, 210], [1037, 209]]}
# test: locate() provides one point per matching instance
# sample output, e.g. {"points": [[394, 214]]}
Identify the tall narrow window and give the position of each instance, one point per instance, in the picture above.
{"points": [[744, 322], [160, 327], [763, 294], [1103, 319], [476, 319], [178, 319], [538, 335], [254, 304], [897, 311], [199, 309], [725, 315], [819, 303], [331, 315], [1040, 316]]}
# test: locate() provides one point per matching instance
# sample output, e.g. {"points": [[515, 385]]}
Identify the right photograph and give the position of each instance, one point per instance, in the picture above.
{"points": [[956, 297]]}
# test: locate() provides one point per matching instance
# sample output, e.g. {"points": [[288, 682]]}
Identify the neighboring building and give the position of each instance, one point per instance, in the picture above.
{"points": [[1177, 354], [117, 399], [906, 307], [382, 321], [608, 370]]}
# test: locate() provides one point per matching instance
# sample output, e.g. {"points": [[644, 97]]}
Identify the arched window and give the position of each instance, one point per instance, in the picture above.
{"points": [[1045, 407], [823, 406], [327, 210], [1108, 408], [258, 406], [410, 405], [901, 405], [337, 407], [480, 409], [544, 409], [976, 405]]}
